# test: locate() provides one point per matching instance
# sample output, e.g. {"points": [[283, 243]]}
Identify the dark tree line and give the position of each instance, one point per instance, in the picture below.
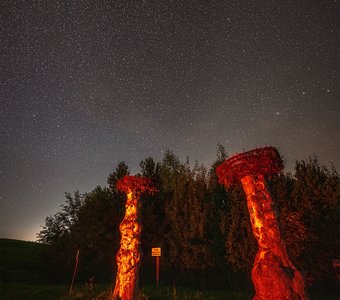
{"points": [[201, 227]]}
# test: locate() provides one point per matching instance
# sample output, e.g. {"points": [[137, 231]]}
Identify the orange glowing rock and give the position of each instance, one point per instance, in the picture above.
{"points": [[274, 276], [128, 256]]}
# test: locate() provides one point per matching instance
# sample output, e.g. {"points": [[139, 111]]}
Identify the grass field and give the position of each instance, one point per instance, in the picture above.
{"points": [[20, 261], [22, 277]]}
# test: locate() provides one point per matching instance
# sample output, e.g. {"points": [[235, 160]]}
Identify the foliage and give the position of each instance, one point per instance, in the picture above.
{"points": [[316, 196], [240, 243], [152, 211], [89, 223], [57, 235], [60, 224], [95, 234], [199, 224], [186, 212], [121, 170]]}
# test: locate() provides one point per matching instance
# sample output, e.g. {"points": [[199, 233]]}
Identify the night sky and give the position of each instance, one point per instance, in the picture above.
{"points": [[87, 84]]}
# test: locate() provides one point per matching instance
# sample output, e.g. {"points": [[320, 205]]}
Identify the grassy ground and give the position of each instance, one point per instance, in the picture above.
{"points": [[20, 261], [21, 273], [22, 277], [172, 293], [20, 291]]}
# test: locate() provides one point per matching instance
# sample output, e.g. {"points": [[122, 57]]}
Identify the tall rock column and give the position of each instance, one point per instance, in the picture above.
{"points": [[274, 276], [129, 254]]}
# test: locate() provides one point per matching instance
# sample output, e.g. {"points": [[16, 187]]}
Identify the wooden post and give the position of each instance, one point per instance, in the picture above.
{"points": [[157, 253], [157, 271], [74, 272]]}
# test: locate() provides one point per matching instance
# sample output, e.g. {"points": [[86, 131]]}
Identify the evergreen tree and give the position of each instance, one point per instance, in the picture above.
{"points": [[121, 170], [241, 245], [316, 194], [186, 214], [289, 216], [152, 208], [218, 208], [196, 221], [96, 233]]}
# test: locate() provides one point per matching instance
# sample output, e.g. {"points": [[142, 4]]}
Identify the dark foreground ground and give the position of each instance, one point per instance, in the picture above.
{"points": [[22, 277]]}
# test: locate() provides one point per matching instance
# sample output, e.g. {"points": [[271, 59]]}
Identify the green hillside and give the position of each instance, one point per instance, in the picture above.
{"points": [[20, 261], [21, 272]]}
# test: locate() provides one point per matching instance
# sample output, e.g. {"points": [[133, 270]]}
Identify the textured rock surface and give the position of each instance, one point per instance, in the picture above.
{"points": [[128, 256], [274, 276]]}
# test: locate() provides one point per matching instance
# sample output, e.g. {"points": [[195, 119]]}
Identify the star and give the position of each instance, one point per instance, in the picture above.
{"points": [[85, 87]]}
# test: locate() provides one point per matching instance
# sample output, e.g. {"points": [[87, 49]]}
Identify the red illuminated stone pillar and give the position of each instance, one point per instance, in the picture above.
{"points": [[274, 276], [129, 254]]}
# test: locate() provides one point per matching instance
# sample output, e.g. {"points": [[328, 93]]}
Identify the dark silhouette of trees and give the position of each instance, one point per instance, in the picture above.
{"points": [[57, 234], [152, 211], [187, 214], [199, 225], [316, 196], [61, 223], [240, 243], [121, 170], [308, 206], [95, 233]]}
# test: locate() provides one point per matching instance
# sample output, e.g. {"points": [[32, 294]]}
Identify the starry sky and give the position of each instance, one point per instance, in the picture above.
{"points": [[87, 84]]}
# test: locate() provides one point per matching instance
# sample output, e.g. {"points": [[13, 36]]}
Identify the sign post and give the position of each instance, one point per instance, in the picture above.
{"points": [[157, 253], [74, 272]]}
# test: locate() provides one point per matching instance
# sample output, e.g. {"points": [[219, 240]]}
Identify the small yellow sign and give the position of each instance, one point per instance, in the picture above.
{"points": [[156, 252]]}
